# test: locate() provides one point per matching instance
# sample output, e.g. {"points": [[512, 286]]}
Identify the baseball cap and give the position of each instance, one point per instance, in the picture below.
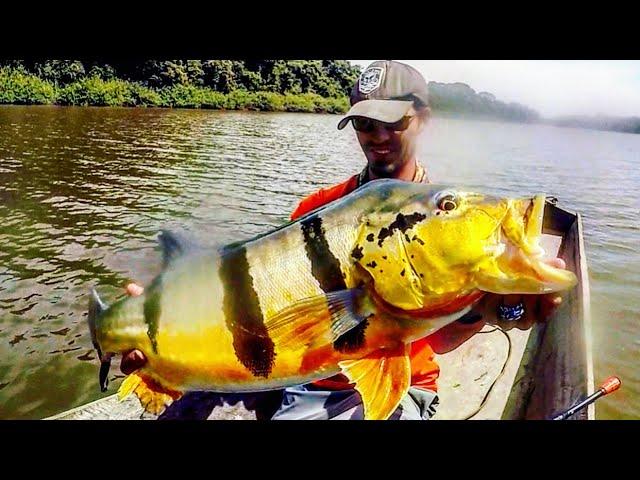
{"points": [[385, 91]]}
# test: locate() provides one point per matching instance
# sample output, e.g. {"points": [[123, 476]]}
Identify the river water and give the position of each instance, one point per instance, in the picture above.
{"points": [[84, 192]]}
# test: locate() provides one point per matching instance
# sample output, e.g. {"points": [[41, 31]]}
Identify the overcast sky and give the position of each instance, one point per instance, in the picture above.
{"points": [[552, 87]]}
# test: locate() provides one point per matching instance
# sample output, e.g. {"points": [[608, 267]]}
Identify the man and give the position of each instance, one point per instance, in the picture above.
{"points": [[389, 110]]}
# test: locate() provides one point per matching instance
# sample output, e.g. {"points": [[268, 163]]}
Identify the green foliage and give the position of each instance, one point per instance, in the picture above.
{"points": [[267, 101], [271, 85], [247, 79], [299, 103], [238, 100], [110, 93], [277, 77], [58, 72], [19, 87], [103, 71], [145, 97], [214, 100], [95, 91], [16, 86], [219, 75], [343, 72], [195, 73], [185, 96], [335, 105]]}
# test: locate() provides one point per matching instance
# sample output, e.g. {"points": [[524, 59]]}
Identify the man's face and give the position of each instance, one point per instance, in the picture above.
{"points": [[387, 149]]}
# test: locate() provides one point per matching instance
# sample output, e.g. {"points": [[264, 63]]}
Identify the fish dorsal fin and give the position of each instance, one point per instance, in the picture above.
{"points": [[174, 245], [318, 320], [381, 250], [382, 378], [153, 397]]}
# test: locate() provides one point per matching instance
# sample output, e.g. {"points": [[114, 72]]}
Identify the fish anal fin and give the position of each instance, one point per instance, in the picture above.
{"points": [[153, 396], [382, 378]]}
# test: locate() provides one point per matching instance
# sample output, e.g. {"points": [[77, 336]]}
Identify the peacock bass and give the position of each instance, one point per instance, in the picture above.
{"points": [[344, 289]]}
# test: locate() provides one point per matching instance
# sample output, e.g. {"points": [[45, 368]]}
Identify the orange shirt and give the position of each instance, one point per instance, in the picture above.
{"points": [[424, 369]]}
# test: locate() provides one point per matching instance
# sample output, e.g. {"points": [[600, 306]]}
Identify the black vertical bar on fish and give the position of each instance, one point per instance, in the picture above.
{"points": [[243, 315], [325, 267]]}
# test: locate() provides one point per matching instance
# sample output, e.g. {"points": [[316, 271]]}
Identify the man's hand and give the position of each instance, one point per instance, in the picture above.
{"points": [[134, 359]]}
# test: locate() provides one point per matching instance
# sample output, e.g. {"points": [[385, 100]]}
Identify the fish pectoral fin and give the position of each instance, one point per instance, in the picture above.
{"points": [[319, 320], [152, 395], [382, 378]]}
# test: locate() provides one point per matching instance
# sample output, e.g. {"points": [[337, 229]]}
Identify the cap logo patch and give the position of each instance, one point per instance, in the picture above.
{"points": [[371, 79]]}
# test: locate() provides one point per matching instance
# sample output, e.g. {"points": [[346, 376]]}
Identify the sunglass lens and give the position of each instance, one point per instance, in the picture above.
{"points": [[362, 124]]}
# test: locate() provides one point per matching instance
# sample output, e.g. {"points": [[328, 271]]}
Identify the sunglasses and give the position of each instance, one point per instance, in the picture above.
{"points": [[367, 125]]}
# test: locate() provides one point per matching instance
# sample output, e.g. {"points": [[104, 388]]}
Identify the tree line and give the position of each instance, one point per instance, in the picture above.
{"points": [[599, 122], [280, 85], [291, 85]]}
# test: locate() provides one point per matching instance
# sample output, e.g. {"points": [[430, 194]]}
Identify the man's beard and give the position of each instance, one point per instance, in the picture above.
{"points": [[385, 170]]}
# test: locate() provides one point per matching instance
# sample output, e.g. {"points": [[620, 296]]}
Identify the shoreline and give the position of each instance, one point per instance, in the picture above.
{"points": [[435, 114], [442, 114], [18, 88]]}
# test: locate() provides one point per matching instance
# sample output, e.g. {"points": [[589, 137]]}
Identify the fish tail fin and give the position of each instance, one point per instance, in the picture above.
{"points": [[96, 308]]}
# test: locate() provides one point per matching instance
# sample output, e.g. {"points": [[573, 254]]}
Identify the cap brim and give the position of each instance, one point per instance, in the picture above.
{"points": [[387, 111]]}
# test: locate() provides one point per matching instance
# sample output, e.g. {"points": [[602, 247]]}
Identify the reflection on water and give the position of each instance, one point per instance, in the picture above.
{"points": [[84, 191]]}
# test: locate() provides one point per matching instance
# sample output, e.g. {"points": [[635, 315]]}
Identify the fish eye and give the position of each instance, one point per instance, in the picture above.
{"points": [[446, 201]]}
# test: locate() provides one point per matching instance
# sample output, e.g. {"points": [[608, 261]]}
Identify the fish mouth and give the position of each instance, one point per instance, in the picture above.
{"points": [[517, 261]]}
